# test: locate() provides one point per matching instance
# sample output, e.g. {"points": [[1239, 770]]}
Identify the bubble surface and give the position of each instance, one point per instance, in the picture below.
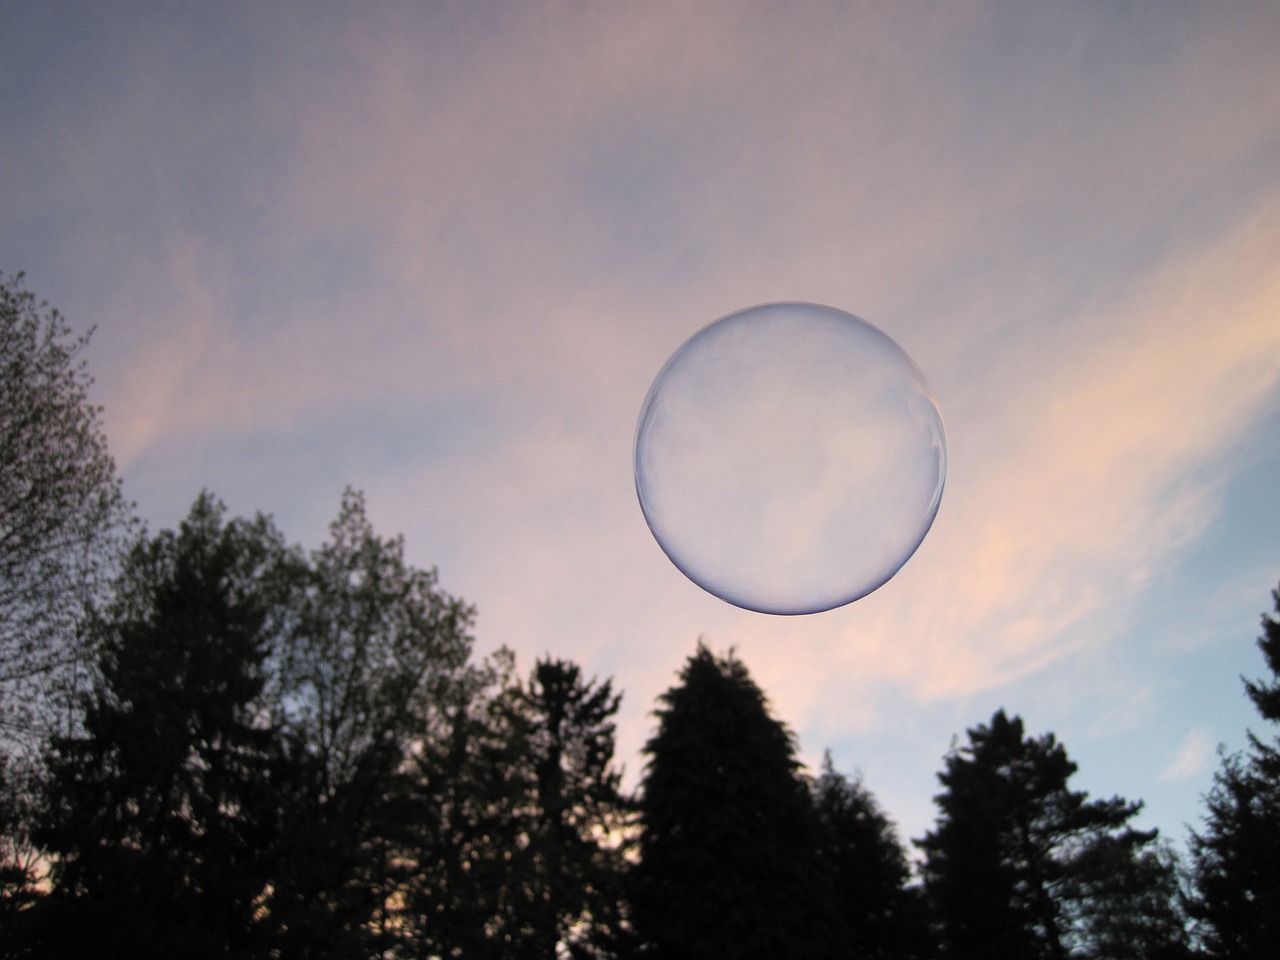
{"points": [[790, 458]]}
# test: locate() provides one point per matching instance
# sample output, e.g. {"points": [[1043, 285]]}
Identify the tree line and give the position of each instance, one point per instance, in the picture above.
{"points": [[218, 744]]}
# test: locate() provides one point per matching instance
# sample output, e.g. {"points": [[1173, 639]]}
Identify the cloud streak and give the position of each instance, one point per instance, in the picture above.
{"points": [[1194, 757]]}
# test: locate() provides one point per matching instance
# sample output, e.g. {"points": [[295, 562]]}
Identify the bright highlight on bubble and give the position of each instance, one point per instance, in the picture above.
{"points": [[790, 458]]}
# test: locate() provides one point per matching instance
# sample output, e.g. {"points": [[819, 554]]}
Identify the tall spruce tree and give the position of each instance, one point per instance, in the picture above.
{"points": [[728, 867], [1237, 855], [162, 812], [876, 915], [580, 817], [468, 837], [1020, 867], [521, 835]]}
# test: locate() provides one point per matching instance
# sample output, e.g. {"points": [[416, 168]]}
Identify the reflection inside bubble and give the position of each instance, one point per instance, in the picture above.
{"points": [[790, 458]]}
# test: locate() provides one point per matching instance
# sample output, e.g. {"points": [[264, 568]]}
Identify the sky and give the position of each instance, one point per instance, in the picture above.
{"points": [[439, 251]]}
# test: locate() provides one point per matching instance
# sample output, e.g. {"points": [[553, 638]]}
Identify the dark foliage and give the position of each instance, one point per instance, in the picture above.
{"points": [[240, 787], [581, 819], [728, 865], [467, 839], [363, 668], [62, 515], [520, 848], [20, 858], [1021, 867], [162, 814], [1237, 854], [876, 915]]}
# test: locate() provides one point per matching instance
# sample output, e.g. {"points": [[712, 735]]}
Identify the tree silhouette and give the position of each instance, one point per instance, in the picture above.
{"points": [[62, 514], [1020, 867], [520, 835], [467, 839], [242, 784], [1121, 900], [160, 813], [876, 916], [728, 867], [580, 817], [370, 654], [1237, 856], [20, 859]]}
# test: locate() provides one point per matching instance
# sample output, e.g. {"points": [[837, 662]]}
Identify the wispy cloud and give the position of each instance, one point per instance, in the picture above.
{"points": [[1194, 757]]}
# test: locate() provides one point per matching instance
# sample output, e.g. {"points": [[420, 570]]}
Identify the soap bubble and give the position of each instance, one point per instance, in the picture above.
{"points": [[790, 458]]}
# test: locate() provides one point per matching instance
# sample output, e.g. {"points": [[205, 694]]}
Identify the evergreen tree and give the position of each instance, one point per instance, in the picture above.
{"points": [[520, 841], [20, 860], [1237, 856], [728, 867], [1121, 899], [161, 812], [580, 817], [242, 786], [468, 838], [1020, 867], [877, 916]]}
